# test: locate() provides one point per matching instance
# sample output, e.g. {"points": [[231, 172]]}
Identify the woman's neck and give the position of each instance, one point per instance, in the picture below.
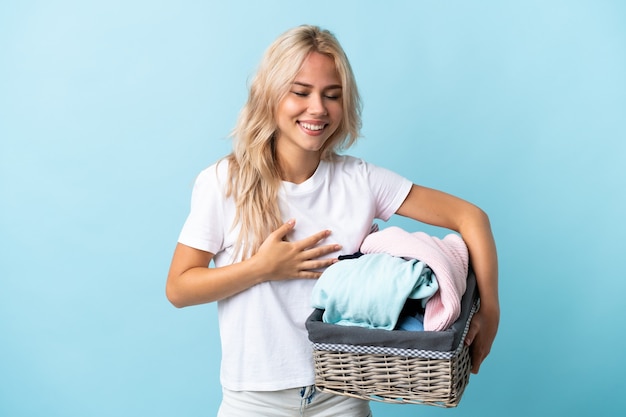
{"points": [[298, 170]]}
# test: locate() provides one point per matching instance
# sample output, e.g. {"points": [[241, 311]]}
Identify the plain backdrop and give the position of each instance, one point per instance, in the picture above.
{"points": [[108, 110]]}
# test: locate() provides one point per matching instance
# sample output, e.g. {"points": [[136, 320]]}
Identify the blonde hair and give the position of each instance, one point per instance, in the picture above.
{"points": [[253, 168]]}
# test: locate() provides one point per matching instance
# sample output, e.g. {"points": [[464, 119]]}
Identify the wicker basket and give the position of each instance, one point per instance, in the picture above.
{"points": [[403, 371]]}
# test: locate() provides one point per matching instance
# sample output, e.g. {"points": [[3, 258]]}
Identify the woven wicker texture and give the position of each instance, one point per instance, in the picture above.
{"points": [[393, 379], [395, 374]]}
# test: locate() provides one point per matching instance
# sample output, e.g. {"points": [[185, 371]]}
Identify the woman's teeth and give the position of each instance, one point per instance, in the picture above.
{"points": [[311, 126]]}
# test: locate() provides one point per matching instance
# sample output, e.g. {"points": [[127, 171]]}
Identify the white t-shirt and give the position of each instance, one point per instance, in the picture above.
{"points": [[265, 346]]}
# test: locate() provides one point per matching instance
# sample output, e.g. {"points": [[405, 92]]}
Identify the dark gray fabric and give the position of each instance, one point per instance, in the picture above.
{"points": [[443, 341]]}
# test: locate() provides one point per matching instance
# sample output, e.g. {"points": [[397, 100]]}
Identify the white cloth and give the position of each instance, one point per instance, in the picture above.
{"points": [[265, 345], [292, 402]]}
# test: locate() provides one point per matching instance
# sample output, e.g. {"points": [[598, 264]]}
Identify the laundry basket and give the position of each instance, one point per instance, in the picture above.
{"points": [[405, 367]]}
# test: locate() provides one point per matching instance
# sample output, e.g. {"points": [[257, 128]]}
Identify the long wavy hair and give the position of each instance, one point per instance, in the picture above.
{"points": [[253, 168]]}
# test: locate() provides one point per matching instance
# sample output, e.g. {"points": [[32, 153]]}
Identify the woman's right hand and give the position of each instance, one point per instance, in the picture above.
{"points": [[191, 281], [280, 259]]}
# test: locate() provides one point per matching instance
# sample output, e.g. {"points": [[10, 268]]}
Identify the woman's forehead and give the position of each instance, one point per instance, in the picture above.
{"points": [[318, 70]]}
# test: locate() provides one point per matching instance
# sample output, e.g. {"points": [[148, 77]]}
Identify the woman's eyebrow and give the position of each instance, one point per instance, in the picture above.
{"points": [[330, 87]]}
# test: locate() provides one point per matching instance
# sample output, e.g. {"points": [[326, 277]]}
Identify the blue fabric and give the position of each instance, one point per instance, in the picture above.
{"points": [[411, 323], [371, 290]]}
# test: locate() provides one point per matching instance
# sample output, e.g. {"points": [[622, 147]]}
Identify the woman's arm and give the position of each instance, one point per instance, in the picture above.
{"points": [[190, 280], [440, 209]]}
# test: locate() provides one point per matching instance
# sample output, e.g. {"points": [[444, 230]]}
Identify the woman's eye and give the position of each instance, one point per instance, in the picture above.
{"points": [[326, 96]]}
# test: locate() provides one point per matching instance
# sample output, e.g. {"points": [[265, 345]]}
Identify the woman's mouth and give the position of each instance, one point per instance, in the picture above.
{"points": [[312, 127]]}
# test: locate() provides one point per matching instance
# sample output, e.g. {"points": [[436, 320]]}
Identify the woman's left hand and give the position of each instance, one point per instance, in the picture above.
{"points": [[481, 335]]}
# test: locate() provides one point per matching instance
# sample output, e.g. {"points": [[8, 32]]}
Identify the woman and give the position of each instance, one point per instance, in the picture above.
{"points": [[280, 208]]}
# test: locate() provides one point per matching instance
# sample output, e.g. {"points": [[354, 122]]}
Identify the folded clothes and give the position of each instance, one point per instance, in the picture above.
{"points": [[371, 290], [442, 341], [448, 258]]}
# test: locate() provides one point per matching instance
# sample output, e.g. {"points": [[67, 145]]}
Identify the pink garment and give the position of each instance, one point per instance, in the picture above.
{"points": [[448, 258]]}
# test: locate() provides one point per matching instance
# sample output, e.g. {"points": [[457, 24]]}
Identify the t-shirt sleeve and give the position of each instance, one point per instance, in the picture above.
{"points": [[204, 227], [389, 189]]}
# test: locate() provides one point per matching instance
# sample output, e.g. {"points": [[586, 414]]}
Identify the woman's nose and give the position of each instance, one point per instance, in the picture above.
{"points": [[317, 105]]}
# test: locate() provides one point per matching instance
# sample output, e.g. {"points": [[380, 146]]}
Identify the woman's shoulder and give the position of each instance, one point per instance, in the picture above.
{"points": [[350, 167], [346, 161], [349, 163], [356, 166], [217, 172]]}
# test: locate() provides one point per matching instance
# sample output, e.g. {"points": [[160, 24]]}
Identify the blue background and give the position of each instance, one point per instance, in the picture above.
{"points": [[108, 109]]}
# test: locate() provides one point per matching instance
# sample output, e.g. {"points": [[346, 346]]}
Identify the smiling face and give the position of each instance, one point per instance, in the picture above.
{"points": [[311, 110]]}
